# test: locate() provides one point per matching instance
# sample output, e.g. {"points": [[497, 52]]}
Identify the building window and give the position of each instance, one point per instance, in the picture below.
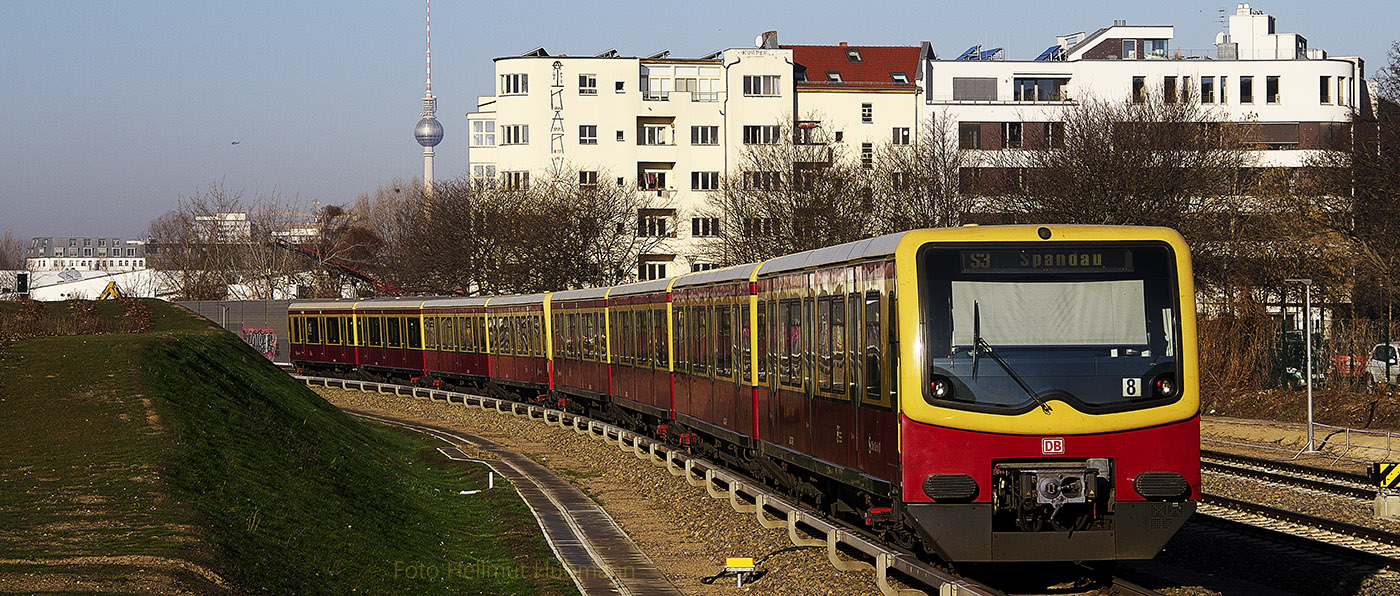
{"points": [[1011, 135], [515, 84], [1139, 89], [704, 226], [517, 180], [619, 87], [899, 78], [587, 178], [1028, 89], [651, 270], [758, 226], [1246, 89], [867, 155], [852, 55], [655, 88], [621, 136], [1169, 89], [130, 252], [654, 180], [761, 84], [833, 76], [655, 223], [694, 267], [1271, 91], [755, 134], [485, 175], [900, 136], [1324, 90], [1130, 49], [867, 113], [484, 133], [653, 134], [808, 132], [974, 89], [1055, 135], [515, 134], [588, 84], [1207, 89], [588, 134], [762, 180], [704, 135], [969, 135], [704, 180]]}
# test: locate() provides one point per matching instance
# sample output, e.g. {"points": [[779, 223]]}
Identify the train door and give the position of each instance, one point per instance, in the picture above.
{"points": [[877, 447]]}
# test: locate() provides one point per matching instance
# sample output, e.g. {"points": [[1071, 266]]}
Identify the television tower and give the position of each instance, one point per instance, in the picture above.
{"points": [[429, 131]]}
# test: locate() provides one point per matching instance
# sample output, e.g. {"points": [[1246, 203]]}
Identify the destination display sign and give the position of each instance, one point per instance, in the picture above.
{"points": [[1046, 260]]}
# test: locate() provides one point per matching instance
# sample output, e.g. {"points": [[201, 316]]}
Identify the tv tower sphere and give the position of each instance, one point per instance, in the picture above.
{"points": [[428, 132]]}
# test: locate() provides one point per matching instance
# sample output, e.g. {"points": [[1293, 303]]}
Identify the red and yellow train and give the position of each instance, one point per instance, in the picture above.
{"points": [[998, 393]]}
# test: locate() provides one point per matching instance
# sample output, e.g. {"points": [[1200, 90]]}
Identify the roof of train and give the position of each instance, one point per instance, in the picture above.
{"points": [[654, 286], [728, 274], [583, 294], [517, 300], [456, 302], [841, 253]]}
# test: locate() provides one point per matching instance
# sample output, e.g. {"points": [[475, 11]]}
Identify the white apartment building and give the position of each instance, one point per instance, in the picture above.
{"points": [[671, 127], [63, 253], [1298, 98]]}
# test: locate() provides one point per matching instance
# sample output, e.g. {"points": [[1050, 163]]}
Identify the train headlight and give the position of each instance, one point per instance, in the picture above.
{"points": [[1164, 385], [940, 387]]}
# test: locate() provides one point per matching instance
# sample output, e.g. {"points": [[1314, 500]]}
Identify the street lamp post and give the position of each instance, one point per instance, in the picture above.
{"points": [[1307, 332]]}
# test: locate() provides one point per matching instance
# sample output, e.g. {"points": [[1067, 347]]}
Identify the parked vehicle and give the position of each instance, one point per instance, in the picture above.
{"points": [[1383, 366]]}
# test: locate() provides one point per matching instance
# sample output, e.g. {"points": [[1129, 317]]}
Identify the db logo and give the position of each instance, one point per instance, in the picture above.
{"points": [[1055, 446]]}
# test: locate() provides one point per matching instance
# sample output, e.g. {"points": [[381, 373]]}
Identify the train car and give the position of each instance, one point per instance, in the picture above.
{"points": [[638, 316], [712, 327], [454, 340], [391, 338], [322, 335], [518, 341], [579, 321]]}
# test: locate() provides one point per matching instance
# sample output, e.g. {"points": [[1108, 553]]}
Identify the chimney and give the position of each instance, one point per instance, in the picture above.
{"points": [[843, 44]]}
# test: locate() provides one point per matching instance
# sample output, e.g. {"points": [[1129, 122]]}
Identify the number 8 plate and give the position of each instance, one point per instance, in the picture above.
{"points": [[1132, 387]]}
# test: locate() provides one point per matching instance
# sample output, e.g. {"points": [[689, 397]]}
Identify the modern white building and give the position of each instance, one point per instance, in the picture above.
{"points": [[671, 127], [63, 253]]}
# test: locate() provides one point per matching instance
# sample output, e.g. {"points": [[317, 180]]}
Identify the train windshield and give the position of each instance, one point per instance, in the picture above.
{"points": [[1011, 328]]}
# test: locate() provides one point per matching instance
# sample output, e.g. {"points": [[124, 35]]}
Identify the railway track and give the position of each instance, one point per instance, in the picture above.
{"points": [[1343, 540], [1324, 480], [744, 496]]}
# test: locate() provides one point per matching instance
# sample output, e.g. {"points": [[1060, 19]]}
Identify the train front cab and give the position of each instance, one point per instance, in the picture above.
{"points": [[1099, 323]]}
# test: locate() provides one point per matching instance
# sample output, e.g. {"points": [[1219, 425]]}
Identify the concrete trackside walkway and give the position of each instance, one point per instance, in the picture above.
{"points": [[601, 557]]}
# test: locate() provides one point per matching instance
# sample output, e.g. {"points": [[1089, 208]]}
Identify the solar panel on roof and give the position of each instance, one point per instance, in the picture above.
{"points": [[971, 53], [1048, 54], [989, 54]]}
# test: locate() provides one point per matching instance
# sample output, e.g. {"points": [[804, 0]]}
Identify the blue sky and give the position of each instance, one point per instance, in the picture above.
{"points": [[110, 111]]}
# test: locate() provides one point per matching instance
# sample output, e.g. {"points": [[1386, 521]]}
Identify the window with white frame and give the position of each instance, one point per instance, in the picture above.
{"points": [[867, 155], [654, 134], [702, 267], [652, 180], [759, 180], [1324, 89], [899, 78], [867, 113], [1246, 89], [704, 180], [588, 84], [760, 134], [588, 134], [759, 226], [515, 134], [1208, 90], [484, 173], [704, 135], [900, 136], [762, 85], [1011, 135], [515, 84], [656, 223], [519, 180], [587, 178], [649, 270], [704, 226], [1271, 89]]}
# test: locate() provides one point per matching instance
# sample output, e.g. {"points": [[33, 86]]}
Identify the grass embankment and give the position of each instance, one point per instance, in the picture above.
{"points": [[176, 459]]}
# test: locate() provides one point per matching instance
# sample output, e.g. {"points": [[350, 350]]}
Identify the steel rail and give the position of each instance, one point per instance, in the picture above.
{"points": [[1376, 547], [1263, 469], [744, 496]]}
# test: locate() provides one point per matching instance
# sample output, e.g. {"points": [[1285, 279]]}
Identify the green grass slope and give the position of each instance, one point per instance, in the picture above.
{"points": [[177, 459]]}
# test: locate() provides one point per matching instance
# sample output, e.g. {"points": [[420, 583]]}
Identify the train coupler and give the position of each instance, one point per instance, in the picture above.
{"points": [[875, 517]]}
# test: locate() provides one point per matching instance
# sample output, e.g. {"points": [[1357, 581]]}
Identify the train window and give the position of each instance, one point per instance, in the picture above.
{"points": [[313, 330], [724, 343], [658, 339], [447, 334], [358, 337], [587, 335], [678, 328], [823, 343], [745, 346], [374, 335], [298, 330], [874, 345], [430, 332], [571, 336], [762, 343], [640, 345], [702, 340], [892, 360], [853, 331], [333, 331], [413, 332], [523, 342], [790, 361], [838, 344], [537, 332], [393, 331]]}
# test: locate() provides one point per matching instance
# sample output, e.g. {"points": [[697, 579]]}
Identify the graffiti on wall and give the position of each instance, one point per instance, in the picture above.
{"points": [[263, 339]]}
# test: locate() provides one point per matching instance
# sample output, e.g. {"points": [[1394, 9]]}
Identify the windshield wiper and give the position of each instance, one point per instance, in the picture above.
{"points": [[979, 344]]}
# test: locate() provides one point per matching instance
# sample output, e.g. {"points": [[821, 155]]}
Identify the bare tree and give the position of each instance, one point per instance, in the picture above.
{"points": [[916, 184], [11, 251], [196, 249], [1389, 75], [792, 191]]}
